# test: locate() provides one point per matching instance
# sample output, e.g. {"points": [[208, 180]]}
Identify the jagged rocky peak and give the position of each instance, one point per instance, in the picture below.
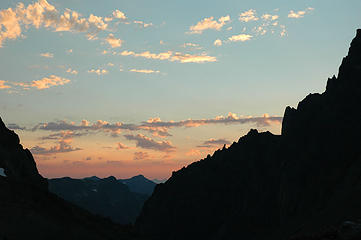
{"points": [[341, 95], [17, 162]]}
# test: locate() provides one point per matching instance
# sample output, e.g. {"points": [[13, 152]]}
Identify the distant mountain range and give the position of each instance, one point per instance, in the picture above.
{"points": [[119, 199]]}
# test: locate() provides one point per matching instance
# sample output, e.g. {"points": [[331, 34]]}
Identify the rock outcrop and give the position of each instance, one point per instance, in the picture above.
{"points": [[272, 187], [18, 163]]}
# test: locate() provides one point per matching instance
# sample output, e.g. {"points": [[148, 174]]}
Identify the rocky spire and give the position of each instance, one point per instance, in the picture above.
{"points": [[17, 162]]}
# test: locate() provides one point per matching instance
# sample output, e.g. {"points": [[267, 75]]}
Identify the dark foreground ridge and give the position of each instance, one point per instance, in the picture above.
{"points": [[29, 211], [273, 187]]}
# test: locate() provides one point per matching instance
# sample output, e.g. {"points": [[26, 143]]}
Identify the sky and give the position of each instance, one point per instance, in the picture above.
{"points": [[146, 87]]}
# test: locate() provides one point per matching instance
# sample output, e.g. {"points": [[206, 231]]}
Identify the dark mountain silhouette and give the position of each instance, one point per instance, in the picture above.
{"points": [[139, 184], [272, 187], [107, 197], [29, 211]]}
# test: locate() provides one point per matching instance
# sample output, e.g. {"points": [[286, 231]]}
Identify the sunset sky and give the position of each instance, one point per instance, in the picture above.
{"points": [[146, 87]]}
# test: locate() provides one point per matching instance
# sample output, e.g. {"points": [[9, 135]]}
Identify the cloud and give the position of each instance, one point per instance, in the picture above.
{"points": [[209, 23], [188, 58], [148, 143], [47, 55], [240, 37], [140, 155], [118, 14], [60, 148], [44, 83], [147, 71], [154, 125], [299, 14], [43, 14], [217, 42], [71, 71], [121, 146], [172, 56], [113, 41], [214, 143], [3, 85], [194, 152], [63, 139], [9, 25], [98, 71], [143, 24], [14, 126], [68, 134], [269, 17], [248, 16]]}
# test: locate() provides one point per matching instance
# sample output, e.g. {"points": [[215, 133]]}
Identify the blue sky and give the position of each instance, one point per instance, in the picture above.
{"points": [[54, 73]]}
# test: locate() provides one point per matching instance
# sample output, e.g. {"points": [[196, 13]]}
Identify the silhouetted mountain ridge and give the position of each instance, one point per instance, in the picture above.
{"points": [[271, 187]]}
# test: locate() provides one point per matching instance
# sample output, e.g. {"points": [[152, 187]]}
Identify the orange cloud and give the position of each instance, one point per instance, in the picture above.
{"points": [[240, 37], [3, 86], [299, 14], [43, 14], [248, 16], [43, 83], [113, 41], [118, 14], [209, 23]]}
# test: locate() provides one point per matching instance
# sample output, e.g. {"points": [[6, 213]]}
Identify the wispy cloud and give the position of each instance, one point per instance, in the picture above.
{"points": [[63, 145], [172, 56], [72, 71], [113, 41], [240, 38], [43, 83], [299, 14], [147, 71], [214, 143], [47, 55], [248, 16], [141, 156], [143, 24], [154, 125], [98, 71], [209, 23], [148, 143]]}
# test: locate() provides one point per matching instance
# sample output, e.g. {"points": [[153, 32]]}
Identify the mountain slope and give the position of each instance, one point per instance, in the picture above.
{"points": [[271, 187], [139, 184], [107, 197]]}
